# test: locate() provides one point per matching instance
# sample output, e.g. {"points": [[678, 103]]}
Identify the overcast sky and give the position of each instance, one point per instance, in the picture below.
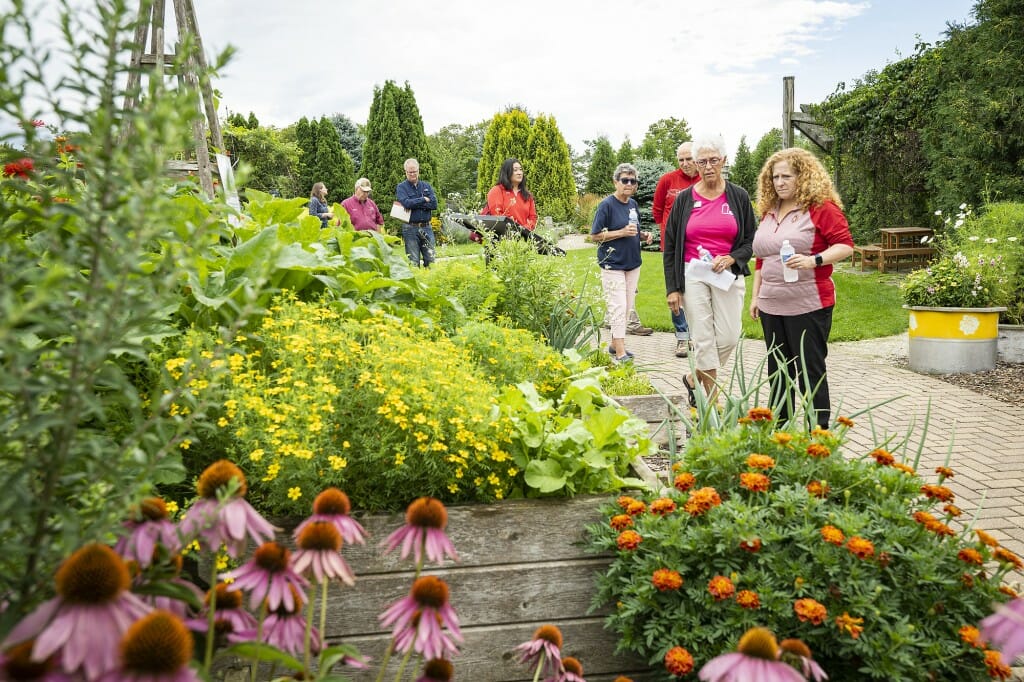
{"points": [[608, 67]]}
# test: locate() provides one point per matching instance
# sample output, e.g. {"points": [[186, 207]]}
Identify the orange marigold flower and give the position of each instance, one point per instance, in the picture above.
{"points": [[967, 580], [742, 421], [751, 545], [629, 540], [818, 432], [757, 483], [721, 587], [663, 506], [1009, 591], [758, 461], [677, 467], [845, 421], [818, 450], [832, 535], [847, 623], [953, 510], [818, 489], [748, 599], [782, 438], [940, 529], [808, 610], [684, 481], [905, 468], [624, 501], [760, 414], [621, 522], [995, 667], [636, 508], [1007, 557], [860, 548], [937, 492], [678, 661], [945, 472], [970, 556], [985, 538], [701, 501], [971, 635], [883, 457], [666, 579], [924, 518]]}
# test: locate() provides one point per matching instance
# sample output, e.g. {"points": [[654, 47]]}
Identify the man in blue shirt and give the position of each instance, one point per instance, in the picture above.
{"points": [[417, 196]]}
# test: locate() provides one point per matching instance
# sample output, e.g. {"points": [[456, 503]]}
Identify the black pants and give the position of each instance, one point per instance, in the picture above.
{"points": [[798, 344]]}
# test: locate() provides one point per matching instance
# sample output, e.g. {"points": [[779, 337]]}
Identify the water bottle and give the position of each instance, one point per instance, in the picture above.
{"points": [[787, 250], [704, 254], [634, 219]]}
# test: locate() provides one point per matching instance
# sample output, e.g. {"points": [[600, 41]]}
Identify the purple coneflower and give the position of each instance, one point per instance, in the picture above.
{"points": [[333, 505], [572, 671], [269, 576], [230, 618], [1004, 629], [798, 655], [418, 619], [17, 665], [756, 660], [436, 670], [84, 622], [156, 648], [319, 553], [285, 628], [148, 528], [425, 521], [545, 650], [229, 523]]}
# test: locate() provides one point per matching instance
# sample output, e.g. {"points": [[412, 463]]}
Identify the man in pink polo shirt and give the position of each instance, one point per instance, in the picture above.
{"points": [[364, 213]]}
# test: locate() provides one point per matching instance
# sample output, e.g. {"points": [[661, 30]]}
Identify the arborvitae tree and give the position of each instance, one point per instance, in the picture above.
{"points": [[742, 170], [549, 169], [237, 120], [663, 138], [332, 165], [769, 143], [252, 123], [626, 153], [351, 139], [508, 136], [602, 167], [305, 138], [383, 154], [414, 139]]}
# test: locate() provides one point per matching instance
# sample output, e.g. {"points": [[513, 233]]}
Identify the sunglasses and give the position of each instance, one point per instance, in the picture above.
{"points": [[629, 181]]}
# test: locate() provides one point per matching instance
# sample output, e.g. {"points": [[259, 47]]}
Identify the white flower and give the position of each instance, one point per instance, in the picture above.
{"points": [[1011, 239], [991, 240], [973, 238], [938, 212], [963, 206], [925, 239], [961, 260]]}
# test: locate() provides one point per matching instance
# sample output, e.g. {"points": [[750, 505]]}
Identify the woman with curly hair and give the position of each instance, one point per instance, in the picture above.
{"points": [[797, 202]]}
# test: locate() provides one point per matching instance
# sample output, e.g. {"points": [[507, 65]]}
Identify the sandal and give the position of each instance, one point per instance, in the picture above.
{"points": [[690, 395]]}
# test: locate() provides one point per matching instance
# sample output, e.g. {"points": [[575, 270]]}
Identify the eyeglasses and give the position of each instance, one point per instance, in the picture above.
{"points": [[629, 181], [713, 161]]}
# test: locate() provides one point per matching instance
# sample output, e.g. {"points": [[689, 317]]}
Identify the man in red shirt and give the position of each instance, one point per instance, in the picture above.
{"points": [[671, 184]]}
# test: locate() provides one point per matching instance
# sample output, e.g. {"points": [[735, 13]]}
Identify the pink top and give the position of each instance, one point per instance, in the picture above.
{"points": [[711, 225], [364, 214]]}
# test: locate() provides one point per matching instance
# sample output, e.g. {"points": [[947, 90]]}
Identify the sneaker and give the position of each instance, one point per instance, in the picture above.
{"points": [[639, 330], [627, 358], [682, 348], [611, 352]]}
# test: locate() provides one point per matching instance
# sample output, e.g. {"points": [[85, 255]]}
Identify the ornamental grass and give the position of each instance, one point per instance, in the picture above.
{"points": [[858, 555]]}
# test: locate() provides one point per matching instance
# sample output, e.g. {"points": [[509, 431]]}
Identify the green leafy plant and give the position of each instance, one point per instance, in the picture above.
{"points": [[853, 554], [956, 281]]}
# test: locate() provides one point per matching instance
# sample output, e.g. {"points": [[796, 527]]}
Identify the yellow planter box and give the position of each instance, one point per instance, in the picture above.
{"points": [[952, 340]]}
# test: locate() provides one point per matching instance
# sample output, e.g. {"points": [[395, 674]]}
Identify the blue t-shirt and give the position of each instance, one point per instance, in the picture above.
{"points": [[616, 254]]}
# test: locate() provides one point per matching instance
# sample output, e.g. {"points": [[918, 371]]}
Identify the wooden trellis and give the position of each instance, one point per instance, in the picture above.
{"points": [[193, 74]]}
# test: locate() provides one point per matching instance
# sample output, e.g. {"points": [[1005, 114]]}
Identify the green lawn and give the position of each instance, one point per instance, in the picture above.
{"points": [[868, 304]]}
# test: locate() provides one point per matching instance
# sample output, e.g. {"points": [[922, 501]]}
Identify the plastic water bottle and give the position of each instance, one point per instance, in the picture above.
{"points": [[787, 250], [704, 254], [634, 219]]}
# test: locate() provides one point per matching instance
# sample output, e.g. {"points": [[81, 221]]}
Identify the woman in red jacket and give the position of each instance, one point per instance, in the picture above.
{"points": [[510, 196]]}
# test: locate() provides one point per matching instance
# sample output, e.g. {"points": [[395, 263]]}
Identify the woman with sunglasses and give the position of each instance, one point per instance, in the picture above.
{"points": [[713, 216], [616, 229]]}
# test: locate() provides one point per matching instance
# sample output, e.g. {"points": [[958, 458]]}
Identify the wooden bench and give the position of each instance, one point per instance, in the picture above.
{"points": [[868, 255], [875, 255]]}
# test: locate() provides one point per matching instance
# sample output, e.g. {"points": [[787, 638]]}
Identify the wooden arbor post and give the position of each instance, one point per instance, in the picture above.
{"points": [[194, 74], [806, 124]]}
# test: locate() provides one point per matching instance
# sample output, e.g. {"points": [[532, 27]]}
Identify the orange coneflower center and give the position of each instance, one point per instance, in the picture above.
{"points": [[95, 574], [426, 512], [20, 666], [572, 665], [218, 475], [271, 557], [549, 633], [227, 598], [150, 509], [158, 643], [320, 535], [438, 669], [795, 646], [430, 591], [332, 501], [759, 643]]}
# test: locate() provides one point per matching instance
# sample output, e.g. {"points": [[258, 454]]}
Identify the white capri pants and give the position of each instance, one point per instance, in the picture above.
{"points": [[619, 295], [715, 320]]}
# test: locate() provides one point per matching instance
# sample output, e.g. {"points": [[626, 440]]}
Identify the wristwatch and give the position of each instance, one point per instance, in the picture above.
{"points": [[818, 262]]}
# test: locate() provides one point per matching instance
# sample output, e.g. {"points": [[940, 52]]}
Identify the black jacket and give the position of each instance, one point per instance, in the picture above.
{"points": [[675, 235]]}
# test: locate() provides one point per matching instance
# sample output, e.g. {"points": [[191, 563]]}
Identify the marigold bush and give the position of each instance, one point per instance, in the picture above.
{"points": [[863, 565]]}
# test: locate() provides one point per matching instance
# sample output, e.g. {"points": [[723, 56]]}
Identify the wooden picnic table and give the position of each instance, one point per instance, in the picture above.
{"points": [[899, 246], [903, 237]]}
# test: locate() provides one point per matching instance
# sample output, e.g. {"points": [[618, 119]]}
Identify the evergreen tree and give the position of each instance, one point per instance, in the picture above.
{"points": [[742, 171], [237, 120], [383, 154], [769, 143], [305, 139], [332, 165], [626, 153], [602, 167], [252, 123], [663, 138], [351, 139], [508, 136], [413, 138], [549, 167]]}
